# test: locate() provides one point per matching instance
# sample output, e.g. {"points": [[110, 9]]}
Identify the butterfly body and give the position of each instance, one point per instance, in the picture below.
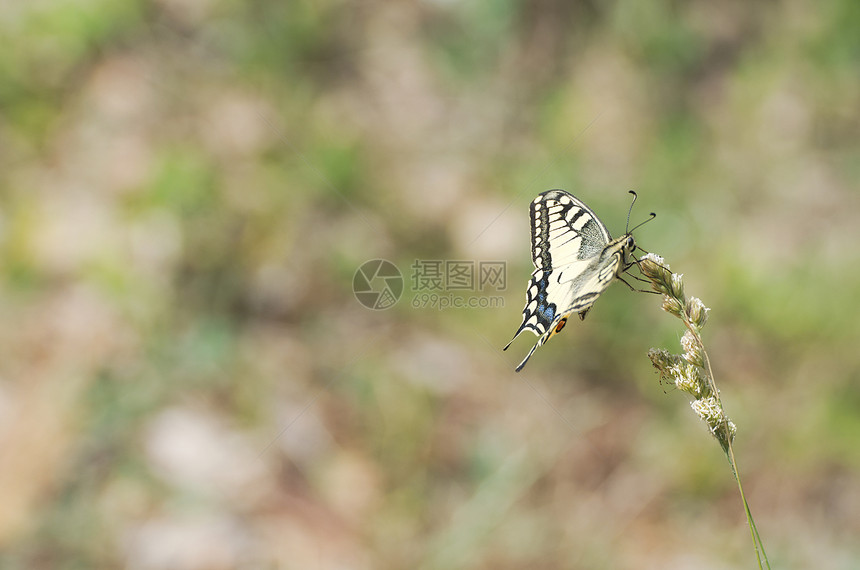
{"points": [[575, 260]]}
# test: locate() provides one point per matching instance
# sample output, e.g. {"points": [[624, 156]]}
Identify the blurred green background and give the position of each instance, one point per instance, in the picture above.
{"points": [[187, 188]]}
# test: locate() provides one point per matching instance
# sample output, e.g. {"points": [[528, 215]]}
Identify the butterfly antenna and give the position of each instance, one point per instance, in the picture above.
{"points": [[630, 210], [653, 215]]}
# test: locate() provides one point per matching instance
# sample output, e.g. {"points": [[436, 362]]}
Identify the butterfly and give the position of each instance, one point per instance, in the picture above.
{"points": [[575, 260]]}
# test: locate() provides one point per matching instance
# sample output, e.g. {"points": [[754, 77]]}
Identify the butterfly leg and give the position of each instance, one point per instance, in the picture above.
{"points": [[637, 278], [632, 288]]}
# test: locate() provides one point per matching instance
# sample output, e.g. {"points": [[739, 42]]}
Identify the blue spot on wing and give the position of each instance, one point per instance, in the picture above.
{"points": [[544, 309], [547, 312], [538, 313]]}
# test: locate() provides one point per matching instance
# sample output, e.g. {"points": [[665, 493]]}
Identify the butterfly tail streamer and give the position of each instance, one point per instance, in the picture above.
{"points": [[529, 355], [516, 334], [540, 341]]}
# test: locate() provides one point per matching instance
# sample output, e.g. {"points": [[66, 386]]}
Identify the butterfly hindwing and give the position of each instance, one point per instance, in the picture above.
{"points": [[575, 261]]}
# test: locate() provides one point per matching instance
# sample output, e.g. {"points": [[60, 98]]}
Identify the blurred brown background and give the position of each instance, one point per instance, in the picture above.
{"points": [[187, 188]]}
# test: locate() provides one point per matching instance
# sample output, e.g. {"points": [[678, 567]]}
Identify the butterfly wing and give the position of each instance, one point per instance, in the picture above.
{"points": [[564, 230], [575, 261]]}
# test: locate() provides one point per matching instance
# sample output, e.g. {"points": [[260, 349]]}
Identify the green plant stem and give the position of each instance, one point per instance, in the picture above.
{"points": [[760, 553]]}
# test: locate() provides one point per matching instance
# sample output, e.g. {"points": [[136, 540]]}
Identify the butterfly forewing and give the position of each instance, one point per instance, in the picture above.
{"points": [[564, 230], [575, 261]]}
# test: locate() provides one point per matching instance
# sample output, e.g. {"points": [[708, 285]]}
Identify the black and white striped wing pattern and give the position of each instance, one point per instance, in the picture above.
{"points": [[575, 261]]}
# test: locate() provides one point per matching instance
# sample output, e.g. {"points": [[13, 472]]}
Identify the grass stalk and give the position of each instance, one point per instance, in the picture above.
{"points": [[691, 371]]}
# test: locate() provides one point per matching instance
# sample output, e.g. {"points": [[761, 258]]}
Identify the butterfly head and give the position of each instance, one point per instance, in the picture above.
{"points": [[628, 246]]}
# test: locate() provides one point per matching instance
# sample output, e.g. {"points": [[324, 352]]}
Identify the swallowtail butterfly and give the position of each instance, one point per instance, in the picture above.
{"points": [[575, 261]]}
